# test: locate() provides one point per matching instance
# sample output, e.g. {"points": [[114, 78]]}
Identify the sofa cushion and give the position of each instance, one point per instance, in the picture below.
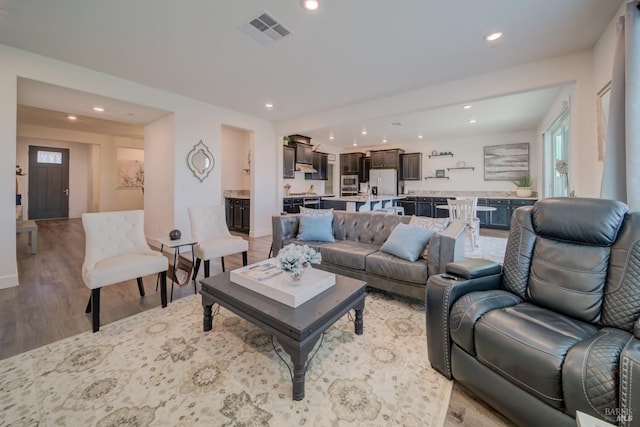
{"points": [[315, 227], [407, 242], [316, 212], [434, 224], [527, 345], [346, 253], [387, 265]]}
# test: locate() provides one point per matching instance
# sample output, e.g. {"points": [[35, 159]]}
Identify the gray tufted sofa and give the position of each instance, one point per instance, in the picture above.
{"points": [[355, 253], [558, 330]]}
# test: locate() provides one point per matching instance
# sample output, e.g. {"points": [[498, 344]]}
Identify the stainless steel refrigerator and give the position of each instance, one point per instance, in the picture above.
{"points": [[386, 180]]}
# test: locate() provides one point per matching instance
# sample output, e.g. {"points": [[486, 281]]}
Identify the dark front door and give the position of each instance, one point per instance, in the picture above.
{"points": [[48, 182]]}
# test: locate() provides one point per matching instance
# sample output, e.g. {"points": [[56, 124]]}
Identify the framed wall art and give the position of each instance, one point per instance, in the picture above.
{"points": [[506, 162], [130, 168]]}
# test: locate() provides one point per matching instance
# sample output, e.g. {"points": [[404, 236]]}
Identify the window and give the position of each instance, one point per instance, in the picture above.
{"points": [[54, 157], [556, 148], [328, 184]]}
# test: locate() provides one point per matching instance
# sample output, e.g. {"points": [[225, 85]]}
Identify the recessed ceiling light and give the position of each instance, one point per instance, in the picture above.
{"points": [[364, 132], [98, 109], [472, 120], [331, 137], [384, 140], [493, 36], [72, 117], [355, 144], [466, 107], [310, 4], [268, 105], [419, 136]]}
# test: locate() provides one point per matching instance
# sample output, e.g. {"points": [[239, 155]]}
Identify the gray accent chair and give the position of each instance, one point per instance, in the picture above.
{"points": [[558, 329]]}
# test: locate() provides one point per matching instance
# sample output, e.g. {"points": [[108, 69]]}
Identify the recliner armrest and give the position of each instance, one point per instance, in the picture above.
{"points": [[630, 382], [441, 293], [473, 268]]}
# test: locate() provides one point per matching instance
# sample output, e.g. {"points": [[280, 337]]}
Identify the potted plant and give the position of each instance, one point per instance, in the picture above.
{"points": [[523, 184]]}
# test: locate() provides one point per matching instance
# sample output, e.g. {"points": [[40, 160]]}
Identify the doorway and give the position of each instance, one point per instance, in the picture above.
{"points": [[48, 182]]}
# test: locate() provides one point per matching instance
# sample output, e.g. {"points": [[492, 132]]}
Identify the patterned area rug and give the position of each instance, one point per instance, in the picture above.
{"points": [[159, 368], [491, 248]]}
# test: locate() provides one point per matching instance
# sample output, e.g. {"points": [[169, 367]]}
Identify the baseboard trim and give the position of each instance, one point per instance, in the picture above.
{"points": [[9, 281]]}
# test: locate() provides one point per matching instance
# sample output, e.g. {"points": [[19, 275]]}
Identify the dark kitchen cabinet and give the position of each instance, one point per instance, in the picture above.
{"points": [[365, 165], [350, 163], [409, 205], [386, 159], [289, 162], [292, 204], [411, 167], [238, 213], [320, 161], [304, 153], [501, 217]]}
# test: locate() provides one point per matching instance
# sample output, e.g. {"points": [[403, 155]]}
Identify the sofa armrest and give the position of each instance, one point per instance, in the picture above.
{"points": [[441, 293], [284, 227], [445, 247], [630, 383]]}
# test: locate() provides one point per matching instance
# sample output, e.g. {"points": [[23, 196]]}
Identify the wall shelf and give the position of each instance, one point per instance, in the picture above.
{"points": [[436, 177], [465, 167], [441, 155]]}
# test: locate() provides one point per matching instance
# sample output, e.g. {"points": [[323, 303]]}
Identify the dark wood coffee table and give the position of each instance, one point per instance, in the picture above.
{"points": [[297, 329]]}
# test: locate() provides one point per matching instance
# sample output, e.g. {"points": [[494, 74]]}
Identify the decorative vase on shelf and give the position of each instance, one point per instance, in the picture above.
{"points": [[523, 191]]}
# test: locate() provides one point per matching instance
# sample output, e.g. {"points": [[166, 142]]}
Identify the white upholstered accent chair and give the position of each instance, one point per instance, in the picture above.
{"points": [[116, 250], [209, 228], [464, 210]]}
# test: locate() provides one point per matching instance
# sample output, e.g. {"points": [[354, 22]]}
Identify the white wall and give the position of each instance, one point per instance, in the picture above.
{"points": [[165, 204], [236, 147], [99, 179], [575, 68]]}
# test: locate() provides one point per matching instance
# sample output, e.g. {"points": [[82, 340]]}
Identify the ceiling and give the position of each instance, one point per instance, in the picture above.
{"points": [[346, 52]]}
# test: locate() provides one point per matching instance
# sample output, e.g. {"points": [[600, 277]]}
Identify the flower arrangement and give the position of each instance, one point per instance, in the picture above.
{"points": [[293, 259]]}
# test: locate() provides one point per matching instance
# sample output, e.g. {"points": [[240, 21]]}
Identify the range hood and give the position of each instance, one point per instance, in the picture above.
{"points": [[301, 167]]}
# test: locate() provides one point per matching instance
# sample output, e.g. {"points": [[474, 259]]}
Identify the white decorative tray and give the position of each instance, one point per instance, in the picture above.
{"points": [[280, 287]]}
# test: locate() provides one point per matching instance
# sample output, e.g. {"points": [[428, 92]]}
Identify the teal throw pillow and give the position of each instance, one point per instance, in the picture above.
{"points": [[317, 228], [407, 242]]}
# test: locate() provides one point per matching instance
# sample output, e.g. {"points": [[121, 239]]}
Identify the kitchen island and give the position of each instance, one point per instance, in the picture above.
{"points": [[360, 203]]}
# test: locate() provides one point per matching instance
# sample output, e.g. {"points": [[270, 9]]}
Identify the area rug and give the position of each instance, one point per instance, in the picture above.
{"points": [[491, 248], [158, 368]]}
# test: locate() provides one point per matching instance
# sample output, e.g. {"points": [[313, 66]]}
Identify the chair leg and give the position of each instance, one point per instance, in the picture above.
{"points": [[88, 309], [244, 258], [207, 266], [95, 308], [163, 288], [140, 286], [222, 261], [270, 251], [196, 268]]}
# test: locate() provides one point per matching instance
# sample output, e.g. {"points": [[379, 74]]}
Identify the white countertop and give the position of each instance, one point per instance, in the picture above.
{"points": [[362, 199]]}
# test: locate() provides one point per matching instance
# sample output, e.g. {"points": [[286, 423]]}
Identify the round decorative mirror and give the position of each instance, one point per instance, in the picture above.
{"points": [[200, 161]]}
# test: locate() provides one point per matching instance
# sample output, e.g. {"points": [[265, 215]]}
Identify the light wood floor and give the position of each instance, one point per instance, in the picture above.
{"points": [[50, 301]]}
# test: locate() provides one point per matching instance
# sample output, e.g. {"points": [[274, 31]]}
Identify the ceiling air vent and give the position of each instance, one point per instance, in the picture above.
{"points": [[265, 29]]}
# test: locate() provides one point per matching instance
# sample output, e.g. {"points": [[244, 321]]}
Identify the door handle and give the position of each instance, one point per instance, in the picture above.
{"points": [[66, 192]]}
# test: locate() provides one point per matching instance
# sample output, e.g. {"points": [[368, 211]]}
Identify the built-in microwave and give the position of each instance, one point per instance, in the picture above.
{"points": [[349, 181], [349, 185]]}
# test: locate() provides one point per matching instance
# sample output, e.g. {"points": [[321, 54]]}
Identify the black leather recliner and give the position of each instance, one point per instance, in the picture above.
{"points": [[557, 329]]}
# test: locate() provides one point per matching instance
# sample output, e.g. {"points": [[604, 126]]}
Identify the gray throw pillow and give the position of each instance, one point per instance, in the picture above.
{"points": [[407, 242], [317, 228]]}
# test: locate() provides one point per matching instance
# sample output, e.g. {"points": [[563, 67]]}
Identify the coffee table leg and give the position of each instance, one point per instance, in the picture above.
{"points": [[207, 320], [359, 322], [299, 360]]}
